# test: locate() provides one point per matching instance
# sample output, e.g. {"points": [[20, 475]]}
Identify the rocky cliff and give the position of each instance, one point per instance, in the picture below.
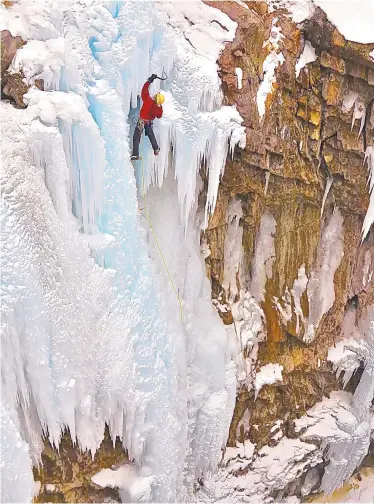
{"points": [[287, 262]]}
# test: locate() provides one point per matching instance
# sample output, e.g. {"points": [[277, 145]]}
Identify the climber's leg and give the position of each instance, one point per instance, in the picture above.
{"points": [[136, 139], [152, 138]]}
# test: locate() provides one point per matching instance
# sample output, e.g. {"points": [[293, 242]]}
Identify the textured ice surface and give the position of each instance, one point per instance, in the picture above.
{"points": [[91, 328], [17, 482]]}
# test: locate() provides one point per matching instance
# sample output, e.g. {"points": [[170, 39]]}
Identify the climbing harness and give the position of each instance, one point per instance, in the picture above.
{"points": [[145, 210]]}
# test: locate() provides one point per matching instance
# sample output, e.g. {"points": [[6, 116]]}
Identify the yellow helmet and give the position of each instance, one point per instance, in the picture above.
{"points": [[159, 98]]}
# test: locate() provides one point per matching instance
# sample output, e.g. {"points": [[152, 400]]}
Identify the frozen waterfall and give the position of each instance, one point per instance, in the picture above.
{"points": [[90, 329]]}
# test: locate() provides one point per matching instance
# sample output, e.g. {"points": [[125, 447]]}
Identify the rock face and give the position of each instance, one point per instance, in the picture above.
{"points": [[303, 266], [65, 476], [13, 85]]}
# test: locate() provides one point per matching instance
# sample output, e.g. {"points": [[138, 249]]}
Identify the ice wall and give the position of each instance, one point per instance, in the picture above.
{"points": [[91, 330]]}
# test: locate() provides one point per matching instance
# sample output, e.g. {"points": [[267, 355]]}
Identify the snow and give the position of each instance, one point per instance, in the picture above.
{"points": [[239, 75], [50, 488], [267, 375], [40, 60], [91, 333], [352, 18], [344, 359], [307, 56], [252, 479], [134, 485], [270, 64], [300, 10]]}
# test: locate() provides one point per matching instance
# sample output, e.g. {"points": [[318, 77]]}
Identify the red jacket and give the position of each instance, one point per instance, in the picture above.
{"points": [[150, 110]]}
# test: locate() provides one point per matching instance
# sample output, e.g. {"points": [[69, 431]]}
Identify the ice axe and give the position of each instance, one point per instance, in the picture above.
{"points": [[163, 73]]}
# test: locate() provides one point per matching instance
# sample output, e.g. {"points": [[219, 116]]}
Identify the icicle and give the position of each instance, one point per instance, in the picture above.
{"points": [[232, 248], [267, 178], [321, 288], [325, 194], [369, 217], [359, 112]]}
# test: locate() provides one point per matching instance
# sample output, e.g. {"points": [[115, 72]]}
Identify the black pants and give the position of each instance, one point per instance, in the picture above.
{"points": [[148, 126]]}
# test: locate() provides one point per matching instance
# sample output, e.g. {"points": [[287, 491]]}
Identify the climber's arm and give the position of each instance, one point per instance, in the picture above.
{"points": [[145, 91]]}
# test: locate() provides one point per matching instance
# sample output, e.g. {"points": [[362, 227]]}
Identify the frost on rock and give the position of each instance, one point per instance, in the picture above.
{"points": [[267, 375], [91, 334], [270, 64], [307, 56]]}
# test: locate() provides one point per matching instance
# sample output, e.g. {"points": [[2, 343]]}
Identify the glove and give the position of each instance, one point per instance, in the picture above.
{"points": [[152, 78]]}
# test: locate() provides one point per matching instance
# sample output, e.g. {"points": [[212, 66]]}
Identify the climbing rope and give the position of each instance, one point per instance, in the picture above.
{"points": [[145, 210]]}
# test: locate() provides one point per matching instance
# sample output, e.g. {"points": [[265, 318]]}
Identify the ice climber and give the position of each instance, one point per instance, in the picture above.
{"points": [[151, 108]]}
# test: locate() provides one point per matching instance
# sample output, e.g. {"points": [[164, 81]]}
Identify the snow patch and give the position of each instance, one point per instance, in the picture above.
{"points": [[353, 19], [270, 64], [239, 75], [40, 60], [132, 483], [307, 56], [267, 375]]}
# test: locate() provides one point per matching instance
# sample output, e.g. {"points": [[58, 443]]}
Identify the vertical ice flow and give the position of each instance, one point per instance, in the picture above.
{"points": [[90, 333]]}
